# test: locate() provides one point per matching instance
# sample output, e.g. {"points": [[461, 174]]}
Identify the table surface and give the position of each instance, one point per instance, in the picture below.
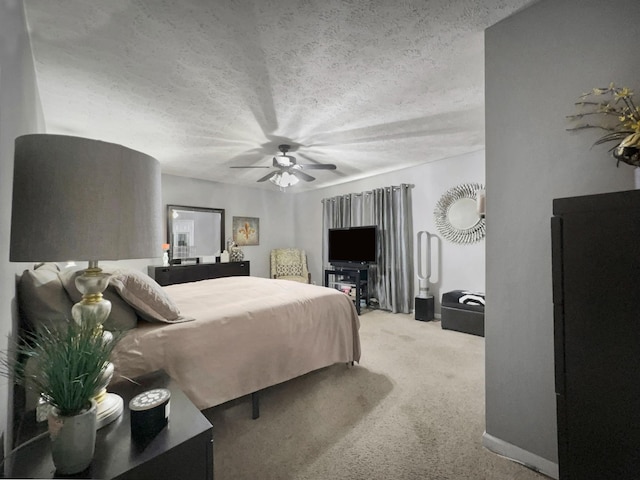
{"points": [[116, 452]]}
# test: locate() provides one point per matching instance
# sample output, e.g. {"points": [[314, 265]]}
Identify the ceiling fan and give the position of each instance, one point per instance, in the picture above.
{"points": [[289, 171]]}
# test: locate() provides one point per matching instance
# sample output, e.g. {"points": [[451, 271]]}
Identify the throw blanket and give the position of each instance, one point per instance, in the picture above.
{"points": [[471, 298]]}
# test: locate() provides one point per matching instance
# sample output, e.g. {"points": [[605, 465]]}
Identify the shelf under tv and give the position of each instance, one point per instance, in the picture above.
{"points": [[354, 276]]}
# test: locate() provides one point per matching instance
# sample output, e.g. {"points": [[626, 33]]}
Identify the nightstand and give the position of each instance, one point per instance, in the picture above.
{"points": [[183, 449]]}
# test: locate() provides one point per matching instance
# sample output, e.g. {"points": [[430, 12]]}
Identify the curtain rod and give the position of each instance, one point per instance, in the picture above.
{"points": [[369, 192]]}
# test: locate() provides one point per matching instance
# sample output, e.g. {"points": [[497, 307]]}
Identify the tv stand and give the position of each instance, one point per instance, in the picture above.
{"points": [[353, 276]]}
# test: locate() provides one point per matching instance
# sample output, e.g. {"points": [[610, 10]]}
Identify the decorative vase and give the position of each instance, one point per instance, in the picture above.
{"points": [[236, 255], [73, 439], [628, 151]]}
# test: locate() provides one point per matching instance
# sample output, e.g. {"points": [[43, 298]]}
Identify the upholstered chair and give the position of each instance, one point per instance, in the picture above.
{"points": [[290, 264]]}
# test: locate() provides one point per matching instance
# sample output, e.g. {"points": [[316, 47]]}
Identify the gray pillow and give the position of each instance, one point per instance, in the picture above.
{"points": [[122, 316], [146, 296], [42, 299]]}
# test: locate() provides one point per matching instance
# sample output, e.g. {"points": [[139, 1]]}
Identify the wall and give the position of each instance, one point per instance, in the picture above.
{"points": [[272, 207], [537, 63], [20, 113], [295, 219], [459, 266]]}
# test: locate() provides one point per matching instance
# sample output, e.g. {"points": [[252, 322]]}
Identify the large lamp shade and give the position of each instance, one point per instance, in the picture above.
{"points": [[82, 199]]}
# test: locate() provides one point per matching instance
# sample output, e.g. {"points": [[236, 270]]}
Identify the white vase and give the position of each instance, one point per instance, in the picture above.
{"points": [[636, 177], [73, 440]]}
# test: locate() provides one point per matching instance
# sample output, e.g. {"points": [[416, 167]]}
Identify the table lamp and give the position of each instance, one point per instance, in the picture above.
{"points": [[83, 199]]}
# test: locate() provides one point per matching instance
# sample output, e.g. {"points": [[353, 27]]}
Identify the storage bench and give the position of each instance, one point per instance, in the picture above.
{"points": [[463, 311]]}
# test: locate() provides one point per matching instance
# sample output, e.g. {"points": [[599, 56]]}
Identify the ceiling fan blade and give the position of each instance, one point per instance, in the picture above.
{"points": [[254, 166], [318, 166], [300, 174], [266, 177]]}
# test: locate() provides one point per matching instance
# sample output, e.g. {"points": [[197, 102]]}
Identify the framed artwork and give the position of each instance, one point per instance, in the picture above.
{"points": [[246, 231]]}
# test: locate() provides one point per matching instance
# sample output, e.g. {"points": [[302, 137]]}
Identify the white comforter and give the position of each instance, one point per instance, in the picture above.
{"points": [[249, 333]]}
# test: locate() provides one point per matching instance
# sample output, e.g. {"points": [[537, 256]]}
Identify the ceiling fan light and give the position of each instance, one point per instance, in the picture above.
{"points": [[284, 179], [284, 160]]}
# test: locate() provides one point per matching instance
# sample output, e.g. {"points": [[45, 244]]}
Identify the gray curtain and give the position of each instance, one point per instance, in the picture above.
{"points": [[391, 279]]}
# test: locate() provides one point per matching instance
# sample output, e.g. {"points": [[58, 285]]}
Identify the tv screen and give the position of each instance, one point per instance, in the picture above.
{"points": [[353, 245]]}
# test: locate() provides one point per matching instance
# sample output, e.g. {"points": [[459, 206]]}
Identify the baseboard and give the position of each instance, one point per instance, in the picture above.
{"points": [[517, 454]]}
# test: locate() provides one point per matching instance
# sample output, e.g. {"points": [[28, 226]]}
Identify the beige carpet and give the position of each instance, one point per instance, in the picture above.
{"points": [[412, 409]]}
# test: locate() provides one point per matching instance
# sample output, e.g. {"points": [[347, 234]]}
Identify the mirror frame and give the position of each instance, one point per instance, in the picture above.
{"points": [[472, 234], [170, 208]]}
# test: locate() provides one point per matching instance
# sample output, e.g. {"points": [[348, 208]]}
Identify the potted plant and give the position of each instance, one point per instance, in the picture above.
{"points": [[618, 115], [69, 371]]}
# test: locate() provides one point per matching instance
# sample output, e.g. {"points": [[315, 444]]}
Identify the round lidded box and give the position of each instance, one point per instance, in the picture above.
{"points": [[149, 412]]}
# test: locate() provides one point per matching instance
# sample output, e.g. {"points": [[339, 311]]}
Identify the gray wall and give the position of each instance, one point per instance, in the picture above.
{"points": [[290, 219], [20, 113], [272, 207], [537, 63], [459, 266]]}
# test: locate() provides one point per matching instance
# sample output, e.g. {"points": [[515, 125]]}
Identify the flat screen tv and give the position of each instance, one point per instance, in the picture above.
{"points": [[353, 246]]}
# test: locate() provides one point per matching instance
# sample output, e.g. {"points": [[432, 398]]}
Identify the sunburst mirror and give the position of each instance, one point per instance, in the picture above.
{"points": [[456, 214]]}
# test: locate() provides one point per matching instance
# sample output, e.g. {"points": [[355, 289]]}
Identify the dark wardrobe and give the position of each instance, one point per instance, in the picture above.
{"points": [[596, 296]]}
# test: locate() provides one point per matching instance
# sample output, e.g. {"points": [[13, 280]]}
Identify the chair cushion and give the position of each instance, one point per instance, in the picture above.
{"points": [[288, 270]]}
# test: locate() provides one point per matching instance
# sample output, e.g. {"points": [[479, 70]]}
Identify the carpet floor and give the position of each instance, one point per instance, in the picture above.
{"points": [[412, 409]]}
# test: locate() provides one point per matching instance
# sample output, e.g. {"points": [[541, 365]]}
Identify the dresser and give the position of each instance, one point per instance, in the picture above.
{"points": [[596, 273], [197, 271]]}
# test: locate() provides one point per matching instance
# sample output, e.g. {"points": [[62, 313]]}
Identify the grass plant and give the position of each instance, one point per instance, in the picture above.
{"points": [[69, 364]]}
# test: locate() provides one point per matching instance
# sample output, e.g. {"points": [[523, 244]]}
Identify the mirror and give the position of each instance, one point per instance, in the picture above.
{"points": [[456, 214], [194, 232], [462, 213]]}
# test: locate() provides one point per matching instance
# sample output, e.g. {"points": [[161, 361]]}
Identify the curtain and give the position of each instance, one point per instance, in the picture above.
{"points": [[391, 279]]}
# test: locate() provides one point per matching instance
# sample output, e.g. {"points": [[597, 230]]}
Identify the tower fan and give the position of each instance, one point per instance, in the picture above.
{"points": [[424, 302]]}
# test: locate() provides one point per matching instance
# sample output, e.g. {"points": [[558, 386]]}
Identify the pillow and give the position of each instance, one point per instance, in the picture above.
{"points": [[122, 316], [146, 296], [291, 270], [42, 297]]}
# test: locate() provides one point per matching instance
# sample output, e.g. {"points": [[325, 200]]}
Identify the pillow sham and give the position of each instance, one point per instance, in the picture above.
{"points": [[146, 296], [42, 298]]}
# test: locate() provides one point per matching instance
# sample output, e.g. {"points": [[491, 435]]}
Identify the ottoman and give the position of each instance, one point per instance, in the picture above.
{"points": [[463, 311]]}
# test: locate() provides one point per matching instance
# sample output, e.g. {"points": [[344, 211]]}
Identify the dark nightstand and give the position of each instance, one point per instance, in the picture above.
{"points": [[183, 449]]}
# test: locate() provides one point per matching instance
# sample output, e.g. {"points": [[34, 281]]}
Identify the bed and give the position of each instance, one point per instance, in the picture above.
{"points": [[219, 339], [248, 333]]}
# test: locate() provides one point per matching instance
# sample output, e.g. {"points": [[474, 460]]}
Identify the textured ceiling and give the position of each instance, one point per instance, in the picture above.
{"points": [[202, 85]]}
